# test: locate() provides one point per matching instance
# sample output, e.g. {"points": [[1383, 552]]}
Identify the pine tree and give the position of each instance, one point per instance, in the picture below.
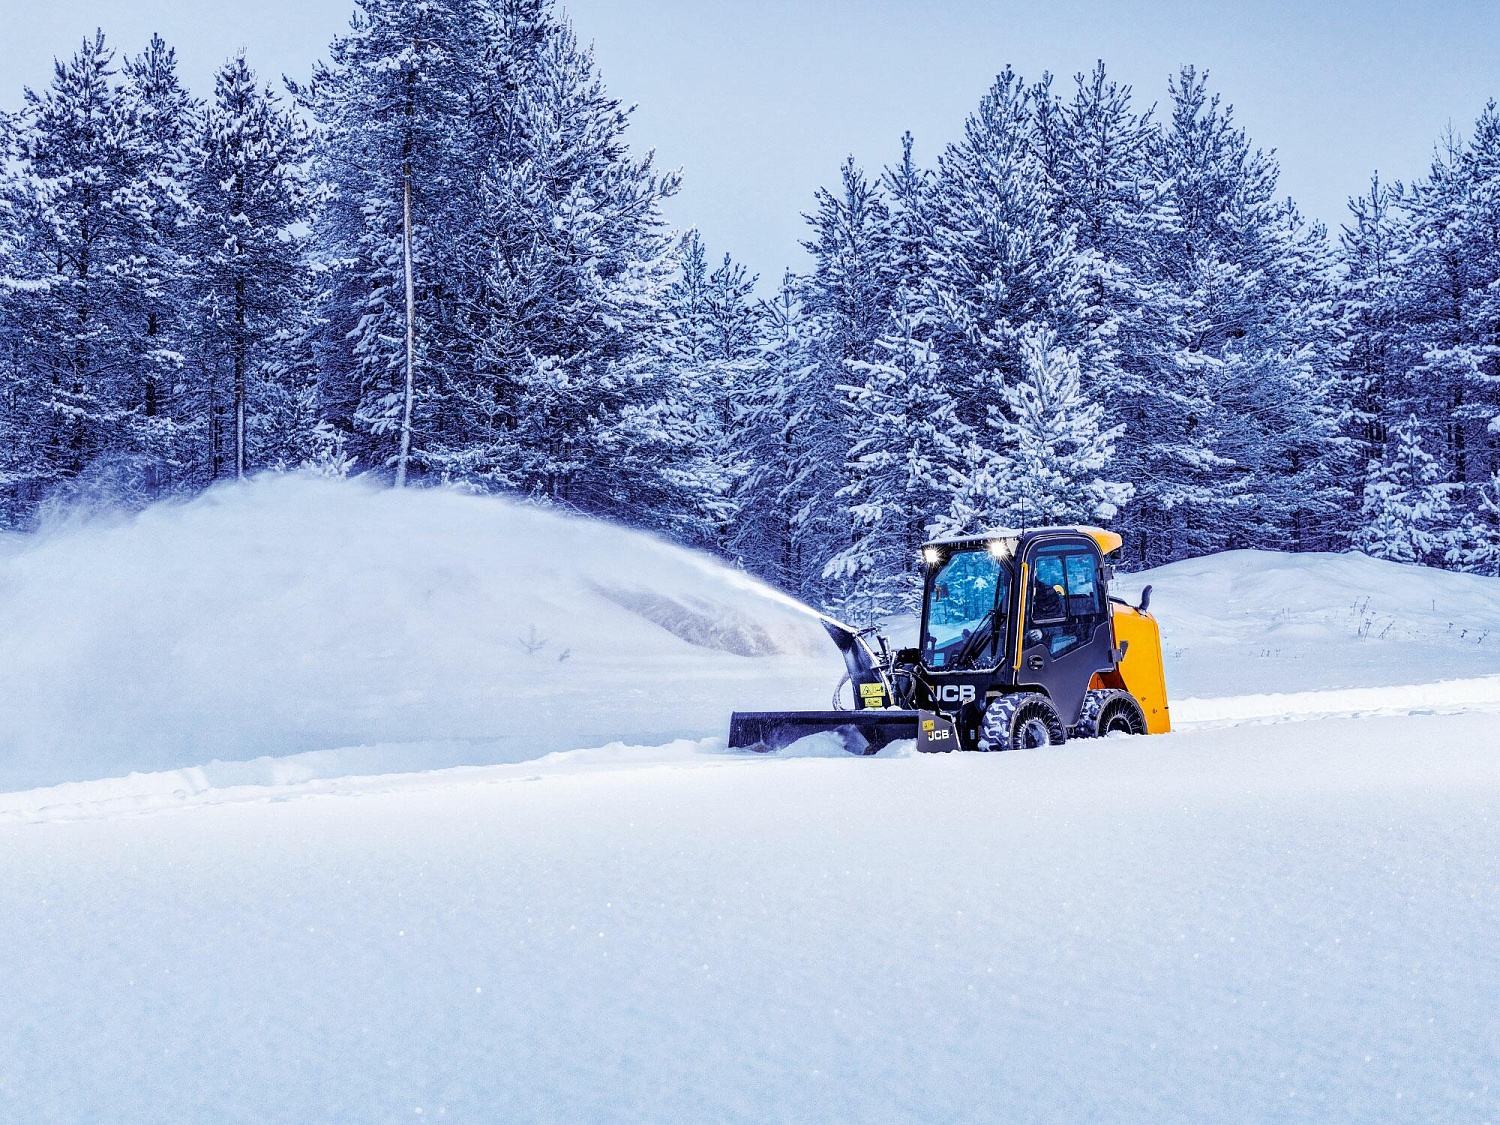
{"points": [[847, 300], [1002, 266], [80, 228], [398, 103], [250, 199], [1405, 516], [849, 288], [1449, 313], [1055, 448], [1475, 544], [1250, 405], [1423, 319], [716, 354], [911, 199], [795, 443], [567, 314], [1372, 248], [164, 119], [906, 448]]}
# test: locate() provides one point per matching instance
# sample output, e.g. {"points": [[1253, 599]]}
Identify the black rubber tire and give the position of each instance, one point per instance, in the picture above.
{"points": [[1109, 712], [1023, 721]]}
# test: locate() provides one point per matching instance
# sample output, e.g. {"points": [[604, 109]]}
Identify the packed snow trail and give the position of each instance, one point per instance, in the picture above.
{"points": [[1447, 697], [1264, 923]]}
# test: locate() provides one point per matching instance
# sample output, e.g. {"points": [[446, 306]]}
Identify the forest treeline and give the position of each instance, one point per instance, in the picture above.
{"points": [[1086, 309]]}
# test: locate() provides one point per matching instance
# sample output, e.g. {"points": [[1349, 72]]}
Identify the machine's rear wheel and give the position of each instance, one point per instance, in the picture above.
{"points": [[1022, 721], [1110, 712]]}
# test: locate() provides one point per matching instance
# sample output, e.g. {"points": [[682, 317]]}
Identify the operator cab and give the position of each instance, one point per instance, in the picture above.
{"points": [[1016, 611]]}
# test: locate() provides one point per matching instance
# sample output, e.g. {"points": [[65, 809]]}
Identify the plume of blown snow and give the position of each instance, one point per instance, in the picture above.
{"points": [[294, 614]]}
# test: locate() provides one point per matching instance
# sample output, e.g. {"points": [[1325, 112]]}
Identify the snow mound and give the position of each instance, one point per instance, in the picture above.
{"points": [[293, 615], [1264, 623]]}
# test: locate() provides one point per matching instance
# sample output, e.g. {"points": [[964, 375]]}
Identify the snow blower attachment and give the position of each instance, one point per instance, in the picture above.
{"points": [[1021, 646], [875, 722]]}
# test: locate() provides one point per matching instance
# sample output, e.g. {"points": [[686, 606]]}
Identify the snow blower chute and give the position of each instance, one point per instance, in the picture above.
{"points": [[1021, 646]]}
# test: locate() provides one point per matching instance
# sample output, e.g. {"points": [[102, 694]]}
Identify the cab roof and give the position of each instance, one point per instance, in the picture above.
{"points": [[1108, 542]]}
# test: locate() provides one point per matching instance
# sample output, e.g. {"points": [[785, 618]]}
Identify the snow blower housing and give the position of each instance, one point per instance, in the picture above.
{"points": [[1021, 645]]}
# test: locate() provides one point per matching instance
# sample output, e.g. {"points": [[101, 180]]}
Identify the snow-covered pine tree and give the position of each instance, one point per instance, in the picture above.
{"points": [[399, 104], [1001, 265], [1055, 449], [1424, 312], [715, 358], [910, 198], [1474, 545], [907, 444], [80, 226], [1372, 249], [1406, 514], [568, 314], [1250, 404], [15, 407], [847, 300], [1102, 183], [794, 439], [1449, 311], [1004, 270], [249, 204], [849, 289], [165, 120]]}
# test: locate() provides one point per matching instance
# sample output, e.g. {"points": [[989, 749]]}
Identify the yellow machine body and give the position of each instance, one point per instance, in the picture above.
{"points": [[1141, 672]]}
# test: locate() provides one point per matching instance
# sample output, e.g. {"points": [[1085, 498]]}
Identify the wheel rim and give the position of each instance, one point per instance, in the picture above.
{"points": [[1033, 733], [1119, 720]]}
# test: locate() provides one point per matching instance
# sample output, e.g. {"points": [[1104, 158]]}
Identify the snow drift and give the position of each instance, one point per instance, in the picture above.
{"points": [[422, 628], [1252, 622]]}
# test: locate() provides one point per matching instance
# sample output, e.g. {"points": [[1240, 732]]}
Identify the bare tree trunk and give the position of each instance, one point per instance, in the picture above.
{"points": [[411, 337], [215, 432], [239, 428], [239, 380]]}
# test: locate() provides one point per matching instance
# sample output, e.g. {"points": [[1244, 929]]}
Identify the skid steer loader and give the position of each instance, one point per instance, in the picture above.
{"points": [[1021, 646]]}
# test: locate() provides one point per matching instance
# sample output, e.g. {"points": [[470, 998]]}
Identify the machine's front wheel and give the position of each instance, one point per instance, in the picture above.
{"points": [[1110, 712], [1022, 721]]}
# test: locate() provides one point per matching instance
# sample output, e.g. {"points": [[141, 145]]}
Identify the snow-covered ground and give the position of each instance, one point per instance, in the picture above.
{"points": [[1252, 919], [1263, 923]]}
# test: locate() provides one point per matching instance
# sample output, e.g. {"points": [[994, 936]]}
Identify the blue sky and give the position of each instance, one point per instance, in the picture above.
{"points": [[758, 102]]}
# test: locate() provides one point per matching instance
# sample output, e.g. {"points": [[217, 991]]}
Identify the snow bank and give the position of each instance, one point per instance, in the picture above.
{"points": [[388, 631], [1260, 622]]}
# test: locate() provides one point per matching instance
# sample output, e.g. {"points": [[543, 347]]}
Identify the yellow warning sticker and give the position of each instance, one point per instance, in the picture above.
{"points": [[872, 691]]}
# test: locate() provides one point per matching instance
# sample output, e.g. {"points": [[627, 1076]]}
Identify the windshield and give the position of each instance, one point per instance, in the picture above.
{"points": [[965, 593]]}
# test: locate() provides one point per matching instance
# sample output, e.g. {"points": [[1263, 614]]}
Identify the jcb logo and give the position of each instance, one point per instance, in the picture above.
{"points": [[956, 693]]}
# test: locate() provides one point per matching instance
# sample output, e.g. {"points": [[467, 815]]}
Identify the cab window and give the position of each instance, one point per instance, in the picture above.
{"points": [[1082, 572], [1066, 599], [1048, 588], [961, 607]]}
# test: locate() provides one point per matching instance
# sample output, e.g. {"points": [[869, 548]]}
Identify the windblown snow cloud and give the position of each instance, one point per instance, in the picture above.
{"points": [[296, 614]]}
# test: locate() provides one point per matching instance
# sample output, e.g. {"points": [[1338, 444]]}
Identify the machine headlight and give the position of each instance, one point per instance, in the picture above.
{"points": [[932, 556]]}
